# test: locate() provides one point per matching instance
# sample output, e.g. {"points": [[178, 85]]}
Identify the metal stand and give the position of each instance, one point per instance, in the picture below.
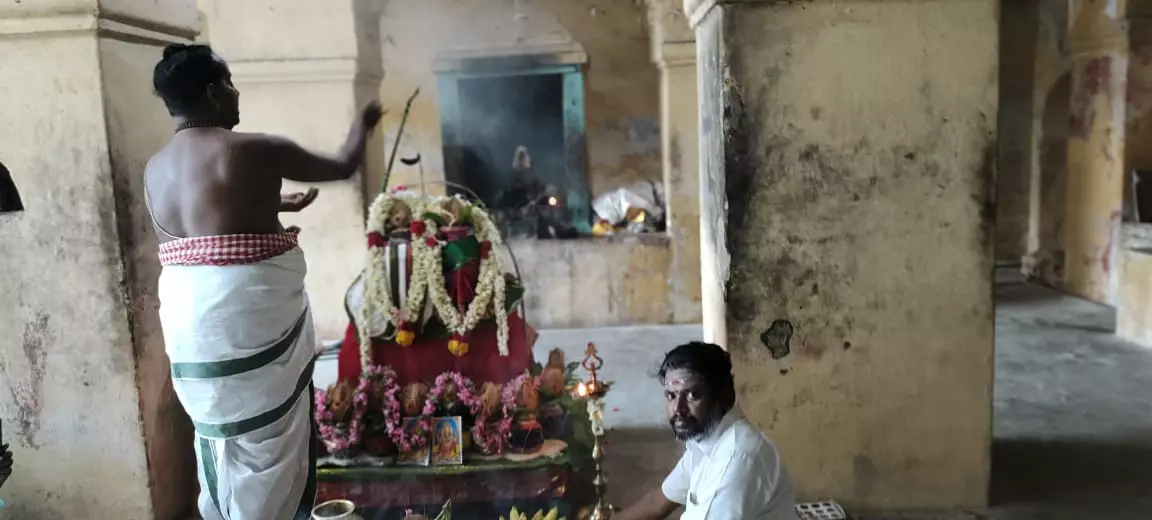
{"points": [[595, 390], [602, 510]]}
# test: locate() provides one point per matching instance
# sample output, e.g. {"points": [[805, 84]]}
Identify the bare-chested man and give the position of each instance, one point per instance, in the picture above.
{"points": [[236, 321]]}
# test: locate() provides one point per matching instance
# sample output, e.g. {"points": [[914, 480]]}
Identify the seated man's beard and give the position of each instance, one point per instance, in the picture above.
{"points": [[688, 428]]}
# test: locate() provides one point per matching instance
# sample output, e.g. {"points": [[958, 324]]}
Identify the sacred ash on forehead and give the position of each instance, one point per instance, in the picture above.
{"points": [[680, 378]]}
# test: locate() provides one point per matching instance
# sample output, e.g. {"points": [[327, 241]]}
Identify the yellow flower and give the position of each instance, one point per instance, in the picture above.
{"points": [[405, 338], [458, 347]]}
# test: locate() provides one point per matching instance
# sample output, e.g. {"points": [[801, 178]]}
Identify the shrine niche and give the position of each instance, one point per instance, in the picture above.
{"points": [[513, 129], [438, 397]]}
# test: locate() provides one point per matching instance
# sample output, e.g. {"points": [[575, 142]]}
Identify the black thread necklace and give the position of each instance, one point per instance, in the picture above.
{"points": [[197, 123]]}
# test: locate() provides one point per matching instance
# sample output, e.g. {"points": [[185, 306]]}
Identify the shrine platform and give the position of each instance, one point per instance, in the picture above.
{"points": [[640, 449], [478, 489]]}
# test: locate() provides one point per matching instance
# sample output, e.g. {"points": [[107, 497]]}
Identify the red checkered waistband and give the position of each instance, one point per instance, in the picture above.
{"points": [[226, 249]]}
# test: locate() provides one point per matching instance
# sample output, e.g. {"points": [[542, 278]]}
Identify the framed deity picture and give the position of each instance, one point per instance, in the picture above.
{"points": [[447, 441], [413, 430]]}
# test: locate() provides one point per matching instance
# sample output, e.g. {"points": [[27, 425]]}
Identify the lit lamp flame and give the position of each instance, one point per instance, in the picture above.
{"points": [[552, 201], [592, 364]]}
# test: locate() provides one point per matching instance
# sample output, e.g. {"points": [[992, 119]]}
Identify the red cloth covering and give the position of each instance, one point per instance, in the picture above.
{"points": [[429, 357]]}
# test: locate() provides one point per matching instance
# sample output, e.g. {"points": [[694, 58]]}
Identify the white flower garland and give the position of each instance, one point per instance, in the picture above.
{"points": [[490, 289], [427, 280], [377, 291]]}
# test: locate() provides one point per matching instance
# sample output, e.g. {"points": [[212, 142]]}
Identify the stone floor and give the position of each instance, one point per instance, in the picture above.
{"points": [[1073, 418]]}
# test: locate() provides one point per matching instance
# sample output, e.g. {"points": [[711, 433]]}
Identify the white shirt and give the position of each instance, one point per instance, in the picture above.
{"points": [[732, 474]]}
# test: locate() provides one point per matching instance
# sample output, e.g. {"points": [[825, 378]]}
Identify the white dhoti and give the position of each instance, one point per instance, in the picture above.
{"points": [[239, 334]]}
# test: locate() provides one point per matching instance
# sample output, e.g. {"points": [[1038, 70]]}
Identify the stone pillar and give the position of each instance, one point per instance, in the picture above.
{"points": [[674, 52], [1019, 27], [1139, 86], [300, 74], [848, 152], [1048, 183], [85, 397], [1099, 43]]}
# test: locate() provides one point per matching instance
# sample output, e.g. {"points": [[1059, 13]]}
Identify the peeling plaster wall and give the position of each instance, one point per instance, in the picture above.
{"points": [[69, 399], [135, 132], [855, 157], [595, 282]]}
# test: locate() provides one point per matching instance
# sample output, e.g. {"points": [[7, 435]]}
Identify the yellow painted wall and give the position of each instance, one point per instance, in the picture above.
{"points": [[852, 145], [85, 398]]}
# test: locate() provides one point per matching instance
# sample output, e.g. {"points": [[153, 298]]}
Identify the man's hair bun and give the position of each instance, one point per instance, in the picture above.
{"points": [[174, 48]]}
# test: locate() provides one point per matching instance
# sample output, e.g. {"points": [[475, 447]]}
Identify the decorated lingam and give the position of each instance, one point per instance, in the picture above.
{"points": [[442, 247]]}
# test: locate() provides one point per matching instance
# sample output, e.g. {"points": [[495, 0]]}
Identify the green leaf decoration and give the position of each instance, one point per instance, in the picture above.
{"points": [[434, 217]]}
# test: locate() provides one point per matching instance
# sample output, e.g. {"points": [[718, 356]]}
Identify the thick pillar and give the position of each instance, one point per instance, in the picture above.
{"points": [[303, 70], [85, 397], [1048, 182], [848, 152], [1139, 98], [674, 52], [1019, 25], [1099, 43]]}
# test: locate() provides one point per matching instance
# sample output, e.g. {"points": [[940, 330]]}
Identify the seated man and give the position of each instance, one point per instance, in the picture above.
{"points": [[729, 470]]}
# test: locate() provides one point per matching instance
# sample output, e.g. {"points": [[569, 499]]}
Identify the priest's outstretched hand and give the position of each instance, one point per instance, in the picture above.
{"points": [[295, 202]]}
